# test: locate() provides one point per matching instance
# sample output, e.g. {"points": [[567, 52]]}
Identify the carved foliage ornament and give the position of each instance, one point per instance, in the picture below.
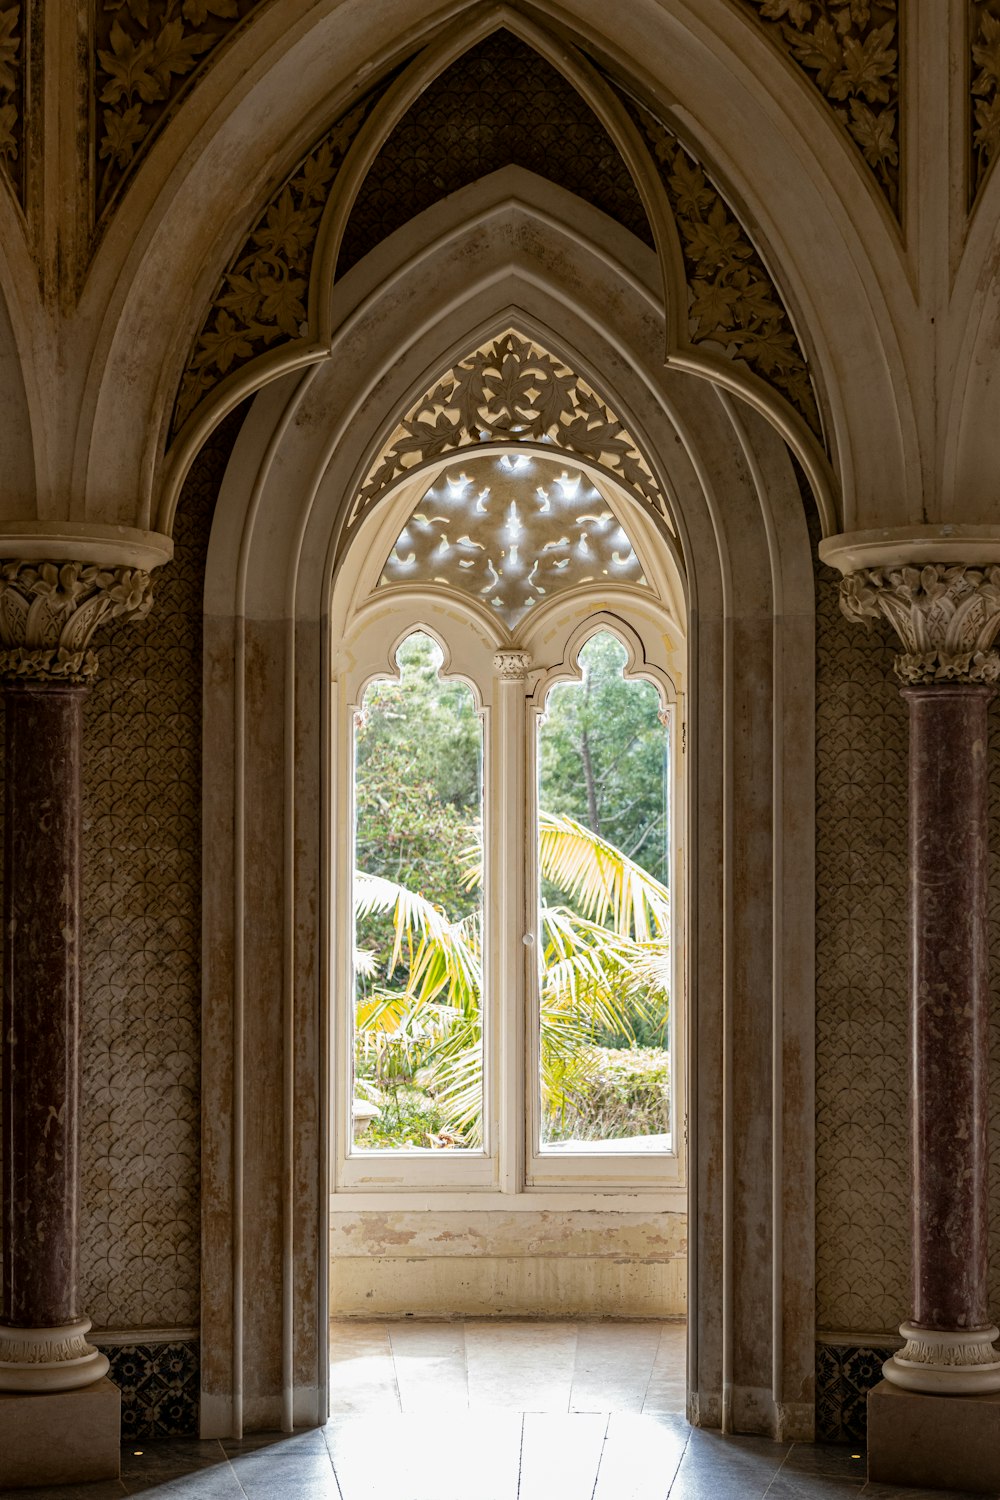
{"points": [[733, 302], [984, 98], [511, 390], [146, 52], [49, 611], [849, 49], [262, 297], [947, 618], [12, 94]]}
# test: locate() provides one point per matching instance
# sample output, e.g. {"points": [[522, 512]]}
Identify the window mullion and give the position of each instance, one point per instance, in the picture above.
{"points": [[510, 951]]}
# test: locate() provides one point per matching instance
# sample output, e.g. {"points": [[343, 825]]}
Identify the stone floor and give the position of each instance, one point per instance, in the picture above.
{"points": [[480, 1410]]}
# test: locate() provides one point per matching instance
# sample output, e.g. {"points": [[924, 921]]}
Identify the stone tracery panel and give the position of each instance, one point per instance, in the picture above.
{"points": [[510, 390]]}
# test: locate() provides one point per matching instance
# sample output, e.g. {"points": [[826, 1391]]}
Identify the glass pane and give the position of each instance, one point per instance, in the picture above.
{"points": [[418, 1053], [603, 815]]}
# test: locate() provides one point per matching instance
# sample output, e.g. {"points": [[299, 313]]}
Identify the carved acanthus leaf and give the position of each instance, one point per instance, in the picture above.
{"points": [[49, 611], [849, 49], [984, 97], [262, 298], [733, 303], [511, 390], [946, 615], [146, 53]]}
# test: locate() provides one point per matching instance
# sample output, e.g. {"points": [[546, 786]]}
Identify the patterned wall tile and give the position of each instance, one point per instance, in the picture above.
{"points": [[159, 1383], [845, 1373], [140, 1137], [862, 1144]]}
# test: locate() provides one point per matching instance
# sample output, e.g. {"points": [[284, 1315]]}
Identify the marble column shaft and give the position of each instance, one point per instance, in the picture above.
{"points": [[948, 823], [41, 1002]]}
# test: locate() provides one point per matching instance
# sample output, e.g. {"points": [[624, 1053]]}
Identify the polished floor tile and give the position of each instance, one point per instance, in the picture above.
{"points": [[482, 1410]]}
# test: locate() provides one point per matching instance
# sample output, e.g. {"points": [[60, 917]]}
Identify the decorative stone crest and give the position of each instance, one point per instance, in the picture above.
{"points": [[511, 390], [984, 97], [512, 666], [49, 611], [849, 50], [733, 302], [946, 616]]}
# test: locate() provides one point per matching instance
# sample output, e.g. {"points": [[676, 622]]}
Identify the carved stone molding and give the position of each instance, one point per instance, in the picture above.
{"points": [[12, 49], [49, 612], [963, 1362], [512, 666], [946, 616], [262, 298], [984, 89], [733, 303], [49, 1359], [511, 390], [850, 50], [146, 54]]}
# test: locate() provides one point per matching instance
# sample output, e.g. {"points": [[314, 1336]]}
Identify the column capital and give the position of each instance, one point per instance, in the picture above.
{"points": [[945, 614], [512, 666], [49, 611]]}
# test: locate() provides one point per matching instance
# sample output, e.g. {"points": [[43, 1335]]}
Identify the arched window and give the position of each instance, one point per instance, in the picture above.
{"points": [[508, 997]]}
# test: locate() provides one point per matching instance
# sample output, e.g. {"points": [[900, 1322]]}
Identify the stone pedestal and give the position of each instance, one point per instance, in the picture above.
{"points": [[935, 1442], [71, 1437]]}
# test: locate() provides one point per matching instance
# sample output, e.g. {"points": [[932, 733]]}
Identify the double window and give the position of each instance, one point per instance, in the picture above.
{"points": [[506, 723]]}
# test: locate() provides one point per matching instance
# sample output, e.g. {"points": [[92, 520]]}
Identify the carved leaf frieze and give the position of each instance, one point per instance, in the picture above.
{"points": [[984, 95], [850, 51], [510, 390], [146, 54], [733, 303], [262, 297]]}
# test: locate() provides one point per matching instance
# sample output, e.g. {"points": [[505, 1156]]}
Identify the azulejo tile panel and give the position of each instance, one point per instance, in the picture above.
{"points": [[159, 1383], [845, 1373]]}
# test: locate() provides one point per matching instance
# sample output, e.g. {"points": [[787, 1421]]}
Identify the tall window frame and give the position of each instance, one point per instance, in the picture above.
{"points": [[510, 673]]}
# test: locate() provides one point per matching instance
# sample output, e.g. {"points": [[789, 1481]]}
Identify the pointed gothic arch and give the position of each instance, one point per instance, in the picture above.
{"points": [[279, 535]]}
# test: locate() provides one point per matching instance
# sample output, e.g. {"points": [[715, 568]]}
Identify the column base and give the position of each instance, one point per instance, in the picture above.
{"points": [[71, 1437], [45, 1360], [960, 1362], [933, 1442]]}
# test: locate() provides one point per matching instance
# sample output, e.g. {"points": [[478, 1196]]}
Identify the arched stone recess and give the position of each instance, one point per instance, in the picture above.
{"points": [[725, 317], [718, 82], [588, 299]]}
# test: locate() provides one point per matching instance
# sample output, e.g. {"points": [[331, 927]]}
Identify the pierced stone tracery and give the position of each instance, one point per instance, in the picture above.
{"points": [[512, 531]]}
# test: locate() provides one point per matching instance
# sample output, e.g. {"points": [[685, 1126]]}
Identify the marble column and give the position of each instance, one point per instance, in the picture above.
{"points": [[48, 612], [947, 617]]}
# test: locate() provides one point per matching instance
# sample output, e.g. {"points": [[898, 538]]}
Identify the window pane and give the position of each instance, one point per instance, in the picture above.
{"points": [[603, 754], [418, 1055]]}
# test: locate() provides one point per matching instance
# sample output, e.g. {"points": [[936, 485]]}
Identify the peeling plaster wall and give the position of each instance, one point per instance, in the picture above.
{"points": [[524, 1263]]}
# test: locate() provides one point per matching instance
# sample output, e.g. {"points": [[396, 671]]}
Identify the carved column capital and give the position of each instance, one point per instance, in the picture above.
{"points": [[512, 666], [946, 616], [50, 610]]}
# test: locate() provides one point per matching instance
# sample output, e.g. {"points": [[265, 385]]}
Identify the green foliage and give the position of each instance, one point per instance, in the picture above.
{"points": [[604, 952], [616, 1092], [602, 755]]}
